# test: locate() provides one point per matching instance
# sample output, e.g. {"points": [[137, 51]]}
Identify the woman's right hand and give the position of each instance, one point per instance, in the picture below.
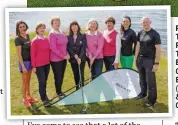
{"points": [[76, 56], [79, 61], [67, 57], [90, 57], [24, 69], [34, 70], [115, 65], [92, 61]]}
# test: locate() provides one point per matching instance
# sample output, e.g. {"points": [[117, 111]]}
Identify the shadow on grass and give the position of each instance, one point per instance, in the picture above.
{"points": [[112, 107], [159, 108], [53, 110], [126, 106], [34, 110]]}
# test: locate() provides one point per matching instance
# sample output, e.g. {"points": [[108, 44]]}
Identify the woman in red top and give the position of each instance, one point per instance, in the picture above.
{"points": [[112, 45], [40, 51]]}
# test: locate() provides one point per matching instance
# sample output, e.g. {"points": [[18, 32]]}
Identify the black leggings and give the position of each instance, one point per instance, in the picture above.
{"points": [[58, 70], [42, 75], [96, 68], [108, 61], [75, 70]]}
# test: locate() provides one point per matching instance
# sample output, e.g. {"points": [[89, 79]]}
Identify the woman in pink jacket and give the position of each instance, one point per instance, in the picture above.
{"points": [[94, 50], [58, 55]]}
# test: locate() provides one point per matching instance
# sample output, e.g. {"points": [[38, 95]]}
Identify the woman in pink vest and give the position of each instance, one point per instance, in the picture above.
{"points": [[40, 51], [112, 45], [58, 55], [94, 50]]}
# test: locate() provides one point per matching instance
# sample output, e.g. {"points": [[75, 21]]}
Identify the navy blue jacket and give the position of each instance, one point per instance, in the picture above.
{"points": [[78, 47]]}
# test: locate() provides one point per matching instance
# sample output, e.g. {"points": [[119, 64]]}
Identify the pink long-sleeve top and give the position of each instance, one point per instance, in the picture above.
{"points": [[58, 45], [95, 43], [40, 51]]}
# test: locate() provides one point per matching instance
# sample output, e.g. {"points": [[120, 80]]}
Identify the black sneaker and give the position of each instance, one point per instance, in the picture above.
{"points": [[148, 104], [140, 97], [46, 103], [62, 95]]}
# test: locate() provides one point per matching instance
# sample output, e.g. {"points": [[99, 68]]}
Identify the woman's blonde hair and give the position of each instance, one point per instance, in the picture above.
{"points": [[39, 24], [55, 18], [91, 20]]}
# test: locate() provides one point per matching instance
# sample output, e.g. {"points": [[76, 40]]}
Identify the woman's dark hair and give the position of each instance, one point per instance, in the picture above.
{"points": [[70, 28], [110, 19], [17, 27], [122, 27]]}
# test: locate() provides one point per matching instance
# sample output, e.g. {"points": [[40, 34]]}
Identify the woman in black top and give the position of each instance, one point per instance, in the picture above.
{"points": [[128, 39], [22, 43], [77, 51]]}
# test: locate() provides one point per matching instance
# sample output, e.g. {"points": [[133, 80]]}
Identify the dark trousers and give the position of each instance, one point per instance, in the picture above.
{"points": [[42, 75], [147, 78], [96, 68], [58, 71], [75, 69], [108, 61]]}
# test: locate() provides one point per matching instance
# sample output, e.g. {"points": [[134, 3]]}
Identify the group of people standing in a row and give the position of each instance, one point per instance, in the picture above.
{"points": [[93, 47]]}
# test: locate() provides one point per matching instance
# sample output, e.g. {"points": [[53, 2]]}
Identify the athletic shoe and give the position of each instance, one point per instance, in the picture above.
{"points": [[140, 97], [32, 100], [62, 95], [47, 103], [148, 104], [26, 103]]}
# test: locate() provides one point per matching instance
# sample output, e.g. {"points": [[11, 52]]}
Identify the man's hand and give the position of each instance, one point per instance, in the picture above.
{"points": [[155, 68]]}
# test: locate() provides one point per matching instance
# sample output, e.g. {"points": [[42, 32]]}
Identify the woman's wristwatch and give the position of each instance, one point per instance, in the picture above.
{"points": [[156, 63]]}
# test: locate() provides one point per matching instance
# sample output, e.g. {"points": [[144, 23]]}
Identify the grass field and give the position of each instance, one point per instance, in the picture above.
{"points": [[77, 3], [121, 106]]}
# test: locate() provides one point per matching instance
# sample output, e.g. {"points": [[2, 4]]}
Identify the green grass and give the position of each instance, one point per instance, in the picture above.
{"points": [[119, 106], [77, 3]]}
